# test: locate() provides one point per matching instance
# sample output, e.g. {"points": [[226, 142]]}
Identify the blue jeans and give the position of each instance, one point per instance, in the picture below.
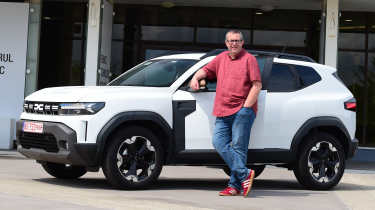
{"points": [[231, 140]]}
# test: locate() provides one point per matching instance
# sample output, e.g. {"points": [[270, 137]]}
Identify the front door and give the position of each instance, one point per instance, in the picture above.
{"points": [[199, 122]]}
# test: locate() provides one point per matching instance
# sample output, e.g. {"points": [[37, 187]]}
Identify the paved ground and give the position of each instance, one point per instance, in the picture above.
{"points": [[24, 185]]}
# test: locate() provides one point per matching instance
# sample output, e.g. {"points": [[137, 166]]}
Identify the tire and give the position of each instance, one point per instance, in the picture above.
{"points": [[257, 168], [63, 171], [133, 159], [321, 162]]}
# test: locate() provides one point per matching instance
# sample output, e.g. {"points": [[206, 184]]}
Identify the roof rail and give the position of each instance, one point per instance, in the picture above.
{"points": [[265, 53]]}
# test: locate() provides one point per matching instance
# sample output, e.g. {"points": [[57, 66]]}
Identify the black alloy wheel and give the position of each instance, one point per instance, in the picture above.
{"points": [[133, 159], [321, 162]]}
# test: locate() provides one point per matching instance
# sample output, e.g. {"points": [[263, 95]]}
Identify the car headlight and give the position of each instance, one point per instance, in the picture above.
{"points": [[81, 108]]}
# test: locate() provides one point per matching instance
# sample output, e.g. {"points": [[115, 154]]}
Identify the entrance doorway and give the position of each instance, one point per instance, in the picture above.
{"points": [[62, 44]]}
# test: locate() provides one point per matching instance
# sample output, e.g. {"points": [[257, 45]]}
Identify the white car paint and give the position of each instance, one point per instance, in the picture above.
{"points": [[279, 117]]}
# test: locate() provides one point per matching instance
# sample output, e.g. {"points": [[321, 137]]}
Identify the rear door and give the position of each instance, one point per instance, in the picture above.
{"points": [[288, 103]]}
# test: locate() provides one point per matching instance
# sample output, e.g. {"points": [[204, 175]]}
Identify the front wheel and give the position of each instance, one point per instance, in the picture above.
{"points": [[133, 159], [321, 162], [64, 171]]}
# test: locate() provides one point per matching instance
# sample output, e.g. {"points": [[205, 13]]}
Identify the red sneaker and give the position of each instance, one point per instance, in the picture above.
{"points": [[229, 191], [246, 185]]}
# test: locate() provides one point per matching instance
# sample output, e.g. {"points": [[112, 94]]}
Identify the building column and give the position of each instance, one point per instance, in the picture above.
{"points": [[99, 38], [329, 32]]}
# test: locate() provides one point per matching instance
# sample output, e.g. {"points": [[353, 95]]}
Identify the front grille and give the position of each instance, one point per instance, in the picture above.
{"points": [[40, 141], [47, 108]]}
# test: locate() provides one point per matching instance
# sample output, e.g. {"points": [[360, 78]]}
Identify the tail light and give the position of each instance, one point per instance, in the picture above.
{"points": [[350, 104]]}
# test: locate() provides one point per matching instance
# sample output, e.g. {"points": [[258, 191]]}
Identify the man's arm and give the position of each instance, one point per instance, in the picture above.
{"points": [[253, 94], [194, 83]]}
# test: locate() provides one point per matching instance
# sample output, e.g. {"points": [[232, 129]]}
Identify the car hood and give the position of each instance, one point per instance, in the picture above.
{"points": [[92, 93]]}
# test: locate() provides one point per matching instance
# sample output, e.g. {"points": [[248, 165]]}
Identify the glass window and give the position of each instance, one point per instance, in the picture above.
{"points": [[371, 100], [261, 62], [78, 30], [168, 33], [62, 44], [286, 20], [77, 69], [217, 35], [156, 73], [371, 41], [351, 67], [371, 62], [116, 58], [211, 85], [281, 79], [118, 31], [352, 22], [351, 41], [307, 74], [280, 38]]}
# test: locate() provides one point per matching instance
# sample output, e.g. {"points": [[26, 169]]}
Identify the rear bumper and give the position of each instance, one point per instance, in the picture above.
{"points": [[353, 146], [57, 144]]}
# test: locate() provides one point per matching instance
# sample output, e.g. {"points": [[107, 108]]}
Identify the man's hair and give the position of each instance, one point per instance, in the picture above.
{"points": [[233, 31]]}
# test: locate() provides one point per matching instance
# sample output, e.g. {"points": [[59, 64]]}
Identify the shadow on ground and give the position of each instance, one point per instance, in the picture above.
{"points": [[264, 187], [360, 165]]}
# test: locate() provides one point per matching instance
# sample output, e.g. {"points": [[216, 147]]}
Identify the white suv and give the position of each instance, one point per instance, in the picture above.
{"points": [[148, 117]]}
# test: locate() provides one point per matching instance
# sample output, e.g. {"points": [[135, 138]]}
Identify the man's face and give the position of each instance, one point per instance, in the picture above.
{"points": [[234, 43]]}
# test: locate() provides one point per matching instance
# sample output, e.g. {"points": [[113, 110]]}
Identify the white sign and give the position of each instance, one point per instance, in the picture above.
{"points": [[332, 20], [13, 47]]}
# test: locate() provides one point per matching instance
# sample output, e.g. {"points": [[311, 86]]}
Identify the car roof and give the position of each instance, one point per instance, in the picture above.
{"points": [[316, 66], [194, 56], [266, 53], [201, 56]]}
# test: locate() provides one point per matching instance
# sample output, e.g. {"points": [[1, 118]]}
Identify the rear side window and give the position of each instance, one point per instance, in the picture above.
{"points": [[282, 79], [308, 75], [289, 78]]}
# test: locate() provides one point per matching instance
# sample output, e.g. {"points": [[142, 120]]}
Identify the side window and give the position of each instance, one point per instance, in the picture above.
{"points": [[211, 85], [308, 75], [261, 62], [282, 79]]}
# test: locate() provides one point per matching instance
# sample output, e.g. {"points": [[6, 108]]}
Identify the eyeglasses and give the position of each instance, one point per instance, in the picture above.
{"points": [[233, 41]]}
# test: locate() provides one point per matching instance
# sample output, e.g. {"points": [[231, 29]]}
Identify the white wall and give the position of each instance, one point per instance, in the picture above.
{"points": [[13, 46]]}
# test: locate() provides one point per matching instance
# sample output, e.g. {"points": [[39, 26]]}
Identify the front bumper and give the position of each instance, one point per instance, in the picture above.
{"points": [[353, 146], [57, 144]]}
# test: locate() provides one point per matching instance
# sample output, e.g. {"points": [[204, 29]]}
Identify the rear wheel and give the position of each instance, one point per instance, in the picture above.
{"points": [[64, 171], [257, 168], [133, 159], [321, 162]]}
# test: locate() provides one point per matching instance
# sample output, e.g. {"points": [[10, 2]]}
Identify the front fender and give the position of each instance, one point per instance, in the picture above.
{"points": [[124, 117]]}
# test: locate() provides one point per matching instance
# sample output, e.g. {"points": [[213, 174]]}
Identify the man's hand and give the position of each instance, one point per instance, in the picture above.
{"points": [[194, 82], [253, 94]]}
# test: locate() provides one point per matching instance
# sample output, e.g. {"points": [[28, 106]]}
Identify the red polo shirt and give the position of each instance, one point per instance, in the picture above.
{"points": [[234, 81]]}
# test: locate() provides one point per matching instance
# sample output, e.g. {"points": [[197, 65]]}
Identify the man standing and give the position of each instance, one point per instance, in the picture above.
{"points": [[237, 90]]}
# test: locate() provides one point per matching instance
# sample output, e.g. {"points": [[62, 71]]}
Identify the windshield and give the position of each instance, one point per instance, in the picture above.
{"points": [[154, 73]]}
